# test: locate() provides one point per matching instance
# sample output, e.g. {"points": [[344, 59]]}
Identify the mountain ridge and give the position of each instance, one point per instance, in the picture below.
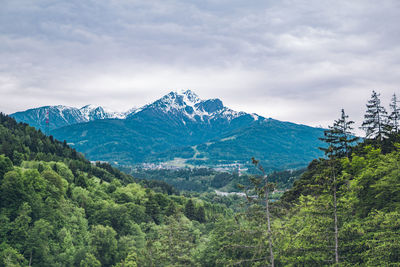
{"points": [[60, 115], [185, 101]]}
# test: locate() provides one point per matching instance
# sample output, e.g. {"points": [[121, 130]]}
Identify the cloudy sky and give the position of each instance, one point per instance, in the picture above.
{"points": [[293, 60]]}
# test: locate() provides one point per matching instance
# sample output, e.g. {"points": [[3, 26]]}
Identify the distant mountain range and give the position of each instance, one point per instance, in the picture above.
{"points": [[180, 129], [61, 116]]}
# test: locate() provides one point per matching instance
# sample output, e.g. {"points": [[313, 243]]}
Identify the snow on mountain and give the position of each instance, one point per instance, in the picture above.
{"points": [[60, 116], [188, 104], [92, 112], [184, 105], [112, 114], [87, 111]]}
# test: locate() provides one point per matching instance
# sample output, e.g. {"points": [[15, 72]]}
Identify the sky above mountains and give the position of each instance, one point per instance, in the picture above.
{"points": [[293, 60]]}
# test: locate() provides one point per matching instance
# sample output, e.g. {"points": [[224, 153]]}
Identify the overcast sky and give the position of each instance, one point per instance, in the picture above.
{"points": [[294, 60]]}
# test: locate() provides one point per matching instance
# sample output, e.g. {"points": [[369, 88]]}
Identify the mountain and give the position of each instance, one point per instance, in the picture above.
{"points": [[180, 129], [60, 116]]}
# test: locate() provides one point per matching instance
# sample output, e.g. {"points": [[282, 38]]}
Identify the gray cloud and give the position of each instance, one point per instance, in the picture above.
{"points": [[293, 60]]}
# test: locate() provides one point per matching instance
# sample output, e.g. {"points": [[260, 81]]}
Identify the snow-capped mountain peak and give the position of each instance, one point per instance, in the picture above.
{"points": [[88, 111], [175, 101], [60, 116], [190, 97], [91, 112], [186, 104]]}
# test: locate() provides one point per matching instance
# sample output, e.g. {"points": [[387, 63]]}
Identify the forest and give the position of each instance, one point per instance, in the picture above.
{"points": [[207, 179], [59, 209]]}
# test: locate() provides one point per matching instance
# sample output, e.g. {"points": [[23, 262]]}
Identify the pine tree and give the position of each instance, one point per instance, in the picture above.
{"points": [[394, 117], [375, 123], [339, 137]]}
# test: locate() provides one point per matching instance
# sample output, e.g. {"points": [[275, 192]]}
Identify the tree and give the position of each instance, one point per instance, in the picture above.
{"points": [[375, 123], [10, 257], [266, 190], [190, 211], [171, 244], [171, 209], [130, 260], [335, 208], [38, 243], [5, 166], [339, 137], [12, 190], [394, 117], [20, 226], [153, 208], [104, 244], [90, 261], [201, 215]]}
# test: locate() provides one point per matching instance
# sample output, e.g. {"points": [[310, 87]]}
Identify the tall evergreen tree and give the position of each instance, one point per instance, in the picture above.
{"points": [[339, 137], [375, 123], [394, 117]]}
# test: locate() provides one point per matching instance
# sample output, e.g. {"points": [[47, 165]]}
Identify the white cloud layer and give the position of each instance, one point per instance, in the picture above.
{"points": [[293, 60]]}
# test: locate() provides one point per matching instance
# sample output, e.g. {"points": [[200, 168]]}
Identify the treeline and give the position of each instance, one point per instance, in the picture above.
{"points": [[382, 127], [21, 142]]}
